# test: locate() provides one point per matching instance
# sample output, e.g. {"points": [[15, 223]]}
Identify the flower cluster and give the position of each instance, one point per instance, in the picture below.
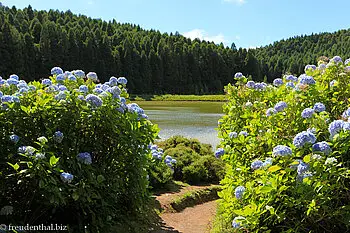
{"points": [[257, 164], [322, 147], [84, 158], [319, 107], [239, 191], [280, 106], [219, 152], [282, 150], [303, 138], [278, 82], [307, 113]]}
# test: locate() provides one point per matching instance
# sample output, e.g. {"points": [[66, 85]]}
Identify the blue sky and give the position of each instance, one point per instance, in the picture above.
{"points": [[247, 23]]}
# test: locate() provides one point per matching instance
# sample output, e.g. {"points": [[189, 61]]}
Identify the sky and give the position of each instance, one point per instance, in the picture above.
{"points": [[247, 23]]}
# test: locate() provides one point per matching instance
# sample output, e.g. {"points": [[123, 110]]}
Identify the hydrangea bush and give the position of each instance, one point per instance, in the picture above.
{"points": [[73, 152], [289, 171]]}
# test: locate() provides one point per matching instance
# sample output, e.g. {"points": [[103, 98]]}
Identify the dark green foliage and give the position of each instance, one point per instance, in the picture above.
{"points": [[154, 63], [195, 161]]}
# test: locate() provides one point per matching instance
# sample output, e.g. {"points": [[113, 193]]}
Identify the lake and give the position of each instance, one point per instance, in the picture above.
{"points": [[192, 119]]}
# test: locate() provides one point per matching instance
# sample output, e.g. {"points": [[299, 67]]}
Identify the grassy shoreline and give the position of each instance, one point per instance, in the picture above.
{"points": [[169, 97]]}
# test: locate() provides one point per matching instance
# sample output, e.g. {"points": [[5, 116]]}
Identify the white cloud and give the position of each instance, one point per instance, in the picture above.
{"points": [[203, 35], [239, 2]]}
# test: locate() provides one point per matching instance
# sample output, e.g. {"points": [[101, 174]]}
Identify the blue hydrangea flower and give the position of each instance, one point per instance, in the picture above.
{"points": [[232, 135], [154, 147], [257, 164], [61, 95], [72, 78], [307, 112], [56, 71], [79, 73], [310, 67], [31, 87], [122, 100], [333, 82], [244, 133], [12, 81], [281, 150], [235, 224], [268, 162], [62, 88], [94, 100], [319, 107], [322, 147], [346, 126], [238, 75], [84, 158], [311, 130], [114, 90], [14, 76], [122, 80], [347, 61], [277, 82], [302, 167], [260, 86], [335, 127], [66, 177], [219, 152], [22, 149], [98, 90], [81, 97], [60, 78], [250, 84], [15, 99], [280, 106], [1, 94], [270, 112], [239, 191], [336, 59], [105, 87], [14, 138], [58, 136], [7, 99], [113, 81], [83, 88], [290, 84], [22, 85], [302, 138], [322, 66], [346, 113], [304, 79], [92, 76], [291, 78]]}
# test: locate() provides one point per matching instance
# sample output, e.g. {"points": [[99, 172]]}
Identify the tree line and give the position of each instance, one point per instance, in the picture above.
{"points": [[32, 42]]}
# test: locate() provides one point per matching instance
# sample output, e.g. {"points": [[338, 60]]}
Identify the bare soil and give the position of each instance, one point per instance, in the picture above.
{"points": [[195, 219]]}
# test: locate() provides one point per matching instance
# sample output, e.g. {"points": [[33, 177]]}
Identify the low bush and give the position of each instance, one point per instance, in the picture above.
{"points": [[73, 152], [195, 162], [287, 150]]}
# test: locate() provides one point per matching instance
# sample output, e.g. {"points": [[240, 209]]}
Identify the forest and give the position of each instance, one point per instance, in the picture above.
{"points": [[33, 41]]}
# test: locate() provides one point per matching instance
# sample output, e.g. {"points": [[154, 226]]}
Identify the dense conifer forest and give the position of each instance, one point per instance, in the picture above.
{"points": [[32, 42]]}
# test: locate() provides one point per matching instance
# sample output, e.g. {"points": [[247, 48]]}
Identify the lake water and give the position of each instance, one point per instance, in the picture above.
{"points": [[192, 119]]}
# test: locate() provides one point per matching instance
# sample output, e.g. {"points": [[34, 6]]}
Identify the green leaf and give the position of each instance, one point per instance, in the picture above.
{"points": [[75, 196], [100, 178], [274, 168], [307, 159], [14, 166], [53, 160], [266, 189]]}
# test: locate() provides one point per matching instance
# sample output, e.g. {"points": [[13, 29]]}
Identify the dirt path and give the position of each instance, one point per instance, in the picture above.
{"points": [[195, 219]]}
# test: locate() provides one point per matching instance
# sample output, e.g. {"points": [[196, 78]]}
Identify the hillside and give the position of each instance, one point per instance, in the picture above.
{"points": [[32, 42]]}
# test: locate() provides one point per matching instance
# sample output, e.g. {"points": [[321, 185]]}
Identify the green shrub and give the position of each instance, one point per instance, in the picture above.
{"points": [[277, 178], [93, 175], [195, 161]]}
